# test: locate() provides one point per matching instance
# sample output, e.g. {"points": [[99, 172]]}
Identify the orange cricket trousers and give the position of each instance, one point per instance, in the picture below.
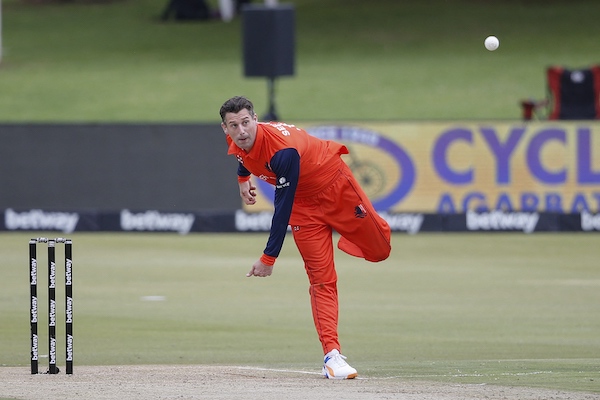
{"points": [[343, 207]]}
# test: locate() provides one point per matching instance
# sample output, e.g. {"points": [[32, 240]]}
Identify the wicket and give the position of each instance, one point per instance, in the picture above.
{"points": [[52, 368]]}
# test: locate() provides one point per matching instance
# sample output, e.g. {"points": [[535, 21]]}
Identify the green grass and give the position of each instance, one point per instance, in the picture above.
{"points": [[356, 60], [505, 309]]}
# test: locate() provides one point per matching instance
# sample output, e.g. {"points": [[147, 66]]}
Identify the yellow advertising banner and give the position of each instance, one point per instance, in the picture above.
{"points": [[455, 167]]}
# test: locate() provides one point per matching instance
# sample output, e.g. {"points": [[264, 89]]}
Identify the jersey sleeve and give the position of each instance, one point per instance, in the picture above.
{"points": [[243, 173], [286, 166]]}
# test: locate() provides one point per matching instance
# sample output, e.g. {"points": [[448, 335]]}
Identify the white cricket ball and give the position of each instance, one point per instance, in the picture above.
{"points": [[491, 43]]}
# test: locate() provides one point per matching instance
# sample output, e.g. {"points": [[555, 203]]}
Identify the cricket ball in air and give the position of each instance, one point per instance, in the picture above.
{"points": [[491, 43]]}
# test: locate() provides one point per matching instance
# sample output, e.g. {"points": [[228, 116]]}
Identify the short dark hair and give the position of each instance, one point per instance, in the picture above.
{"points": [[235, 105]]}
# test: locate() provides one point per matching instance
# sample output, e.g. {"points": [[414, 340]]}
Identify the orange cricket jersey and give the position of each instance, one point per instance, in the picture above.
{"points": [[318, 158]]}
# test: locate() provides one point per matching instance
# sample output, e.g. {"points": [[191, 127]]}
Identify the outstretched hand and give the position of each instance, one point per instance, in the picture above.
{"points": [[261, 270]]}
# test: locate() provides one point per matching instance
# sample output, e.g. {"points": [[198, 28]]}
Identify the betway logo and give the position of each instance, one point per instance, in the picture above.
{"points": [[501, 221], [155, 221], [590, 222], [34, 347], [40, 220], [253, 221], [69, 347], [410, 223], [34, 309], [261, 221]]}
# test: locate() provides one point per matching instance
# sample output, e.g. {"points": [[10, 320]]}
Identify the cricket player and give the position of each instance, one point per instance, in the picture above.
{"points": [[315, 193]]}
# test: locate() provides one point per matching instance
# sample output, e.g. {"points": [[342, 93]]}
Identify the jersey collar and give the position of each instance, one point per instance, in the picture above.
{"points": [[254, 151]]}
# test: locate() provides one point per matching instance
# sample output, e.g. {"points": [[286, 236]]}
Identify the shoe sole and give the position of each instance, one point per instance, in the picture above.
{"points": [[327, 376]]}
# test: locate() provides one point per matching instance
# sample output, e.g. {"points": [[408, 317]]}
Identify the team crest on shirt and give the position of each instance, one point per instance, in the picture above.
{"points": [[359, 211]]}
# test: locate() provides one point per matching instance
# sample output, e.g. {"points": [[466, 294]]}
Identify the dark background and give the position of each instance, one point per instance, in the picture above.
{"points": [[167, 167]]}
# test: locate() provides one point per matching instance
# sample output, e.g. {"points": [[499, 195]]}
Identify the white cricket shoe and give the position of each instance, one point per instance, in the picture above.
{"points": [[336, 367]]}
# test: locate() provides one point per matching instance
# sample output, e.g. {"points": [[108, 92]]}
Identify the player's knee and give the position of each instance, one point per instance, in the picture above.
{"points": [[322, 287], [379, 254]]}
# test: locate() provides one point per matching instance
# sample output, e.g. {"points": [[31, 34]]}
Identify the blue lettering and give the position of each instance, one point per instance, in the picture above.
{"points": [[534, 161], [579, 204], [502, 151], [553, 202], [478, 198], [584, 158], [504, 203], [440, 156], [529, 201], [446, 205]]}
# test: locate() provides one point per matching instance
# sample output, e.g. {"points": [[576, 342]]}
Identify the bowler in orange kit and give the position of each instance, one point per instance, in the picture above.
{"points": [[315, 193]]}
